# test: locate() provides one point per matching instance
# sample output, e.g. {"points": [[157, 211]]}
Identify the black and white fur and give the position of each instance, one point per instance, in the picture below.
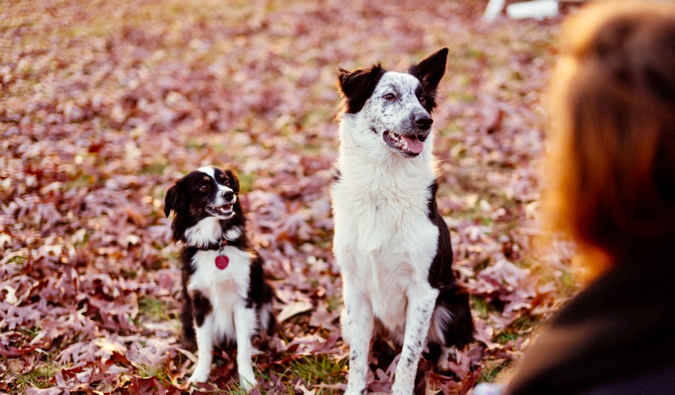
{"points": [[392, 244], [219, 305]]}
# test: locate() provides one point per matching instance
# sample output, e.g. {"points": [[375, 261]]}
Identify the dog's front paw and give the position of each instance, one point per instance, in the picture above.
{"points": [[402, 388], [354, 390], [200, 375], [247, 383]]}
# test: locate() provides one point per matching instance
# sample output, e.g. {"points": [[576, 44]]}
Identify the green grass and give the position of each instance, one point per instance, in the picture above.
{"points": [[128, 273], [246, 182], [482, 306], [154, 168], [40, 377], [462, 97], [237, 390], [82, 181], [566, 281], [195, 143], [489, 373], [334, 302], [319, 369], [309, 370], [17, 259], [520, 327], [507, 336], [569, 283], [160, 373], [154, 309], [29, 332]]}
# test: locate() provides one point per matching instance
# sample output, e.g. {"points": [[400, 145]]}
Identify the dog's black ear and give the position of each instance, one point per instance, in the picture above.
{"points": [[358, 85], [173, 199], [234, 180], [430, 70]]}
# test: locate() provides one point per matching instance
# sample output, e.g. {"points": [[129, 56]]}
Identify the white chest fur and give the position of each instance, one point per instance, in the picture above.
{"points": [[384, 240], [225, 288]]}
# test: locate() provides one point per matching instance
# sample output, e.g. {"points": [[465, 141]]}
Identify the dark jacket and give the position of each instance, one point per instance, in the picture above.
{"points": [[615, 337]]}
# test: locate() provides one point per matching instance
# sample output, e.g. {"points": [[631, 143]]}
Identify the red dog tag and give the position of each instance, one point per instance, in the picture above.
{"points": [[222, 262]]}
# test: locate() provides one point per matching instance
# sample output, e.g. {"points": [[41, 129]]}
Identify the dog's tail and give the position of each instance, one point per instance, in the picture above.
{"points": [[458, 328]]}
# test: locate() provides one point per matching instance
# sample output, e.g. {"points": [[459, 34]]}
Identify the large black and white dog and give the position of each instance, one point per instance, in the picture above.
{"points": [[391, 242], [225, 295]]}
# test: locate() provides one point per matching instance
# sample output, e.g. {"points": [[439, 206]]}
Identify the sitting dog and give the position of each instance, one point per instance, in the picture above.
{"points": [[225, 295], [390, 241]]}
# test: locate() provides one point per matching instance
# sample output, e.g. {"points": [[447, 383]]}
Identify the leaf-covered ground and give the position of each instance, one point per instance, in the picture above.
{"points": [[104, 103]]}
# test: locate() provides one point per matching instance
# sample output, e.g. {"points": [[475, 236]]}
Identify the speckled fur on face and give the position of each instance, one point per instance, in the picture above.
{"points": [[395, 115]]}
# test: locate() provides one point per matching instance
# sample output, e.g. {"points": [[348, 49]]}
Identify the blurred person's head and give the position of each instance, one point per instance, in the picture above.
{"points": [[612, 159]]}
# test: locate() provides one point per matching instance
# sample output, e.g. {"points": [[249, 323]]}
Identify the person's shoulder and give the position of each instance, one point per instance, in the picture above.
{"points": [[660, 381]]}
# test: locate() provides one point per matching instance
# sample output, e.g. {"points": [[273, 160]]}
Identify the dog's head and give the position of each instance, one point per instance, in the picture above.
{"points": [[207, 192], [394, 108]]}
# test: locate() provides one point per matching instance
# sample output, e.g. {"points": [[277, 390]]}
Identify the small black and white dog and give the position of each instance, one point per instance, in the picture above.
{"points": [[225, 295], [390, 240]]}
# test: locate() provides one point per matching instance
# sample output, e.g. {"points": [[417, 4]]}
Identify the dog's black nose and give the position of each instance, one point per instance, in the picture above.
{"points": [[228, 195], [423, 121]]}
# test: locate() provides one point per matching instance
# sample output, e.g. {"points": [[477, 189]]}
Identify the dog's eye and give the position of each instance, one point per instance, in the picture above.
{"points": [[204, 187], [226, 182], [389, 96], [423, 100]]}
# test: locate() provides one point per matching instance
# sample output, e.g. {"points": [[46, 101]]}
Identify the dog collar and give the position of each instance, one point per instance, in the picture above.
{"points": [[214, 246], [222, 260]]}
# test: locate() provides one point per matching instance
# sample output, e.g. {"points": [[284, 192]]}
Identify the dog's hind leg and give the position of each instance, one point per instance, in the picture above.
{"points": [[358, 317]]}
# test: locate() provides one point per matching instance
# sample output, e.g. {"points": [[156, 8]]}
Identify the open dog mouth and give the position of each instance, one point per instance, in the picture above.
{"points": [[409, 146], [225, 210]]}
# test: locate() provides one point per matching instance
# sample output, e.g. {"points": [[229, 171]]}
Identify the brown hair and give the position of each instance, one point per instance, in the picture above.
{"points": [[611, 169]]}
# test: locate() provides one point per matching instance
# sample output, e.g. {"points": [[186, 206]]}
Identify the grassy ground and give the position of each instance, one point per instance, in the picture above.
{"points": [[105, 103]]}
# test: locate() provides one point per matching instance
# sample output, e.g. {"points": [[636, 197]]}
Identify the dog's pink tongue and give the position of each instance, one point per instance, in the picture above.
{"points": [[414, 145]]}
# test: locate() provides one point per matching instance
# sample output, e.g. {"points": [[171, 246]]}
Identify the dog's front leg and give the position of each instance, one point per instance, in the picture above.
{"points": [[360, 326], [244, 325], [204, 334], [421, 303]]}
